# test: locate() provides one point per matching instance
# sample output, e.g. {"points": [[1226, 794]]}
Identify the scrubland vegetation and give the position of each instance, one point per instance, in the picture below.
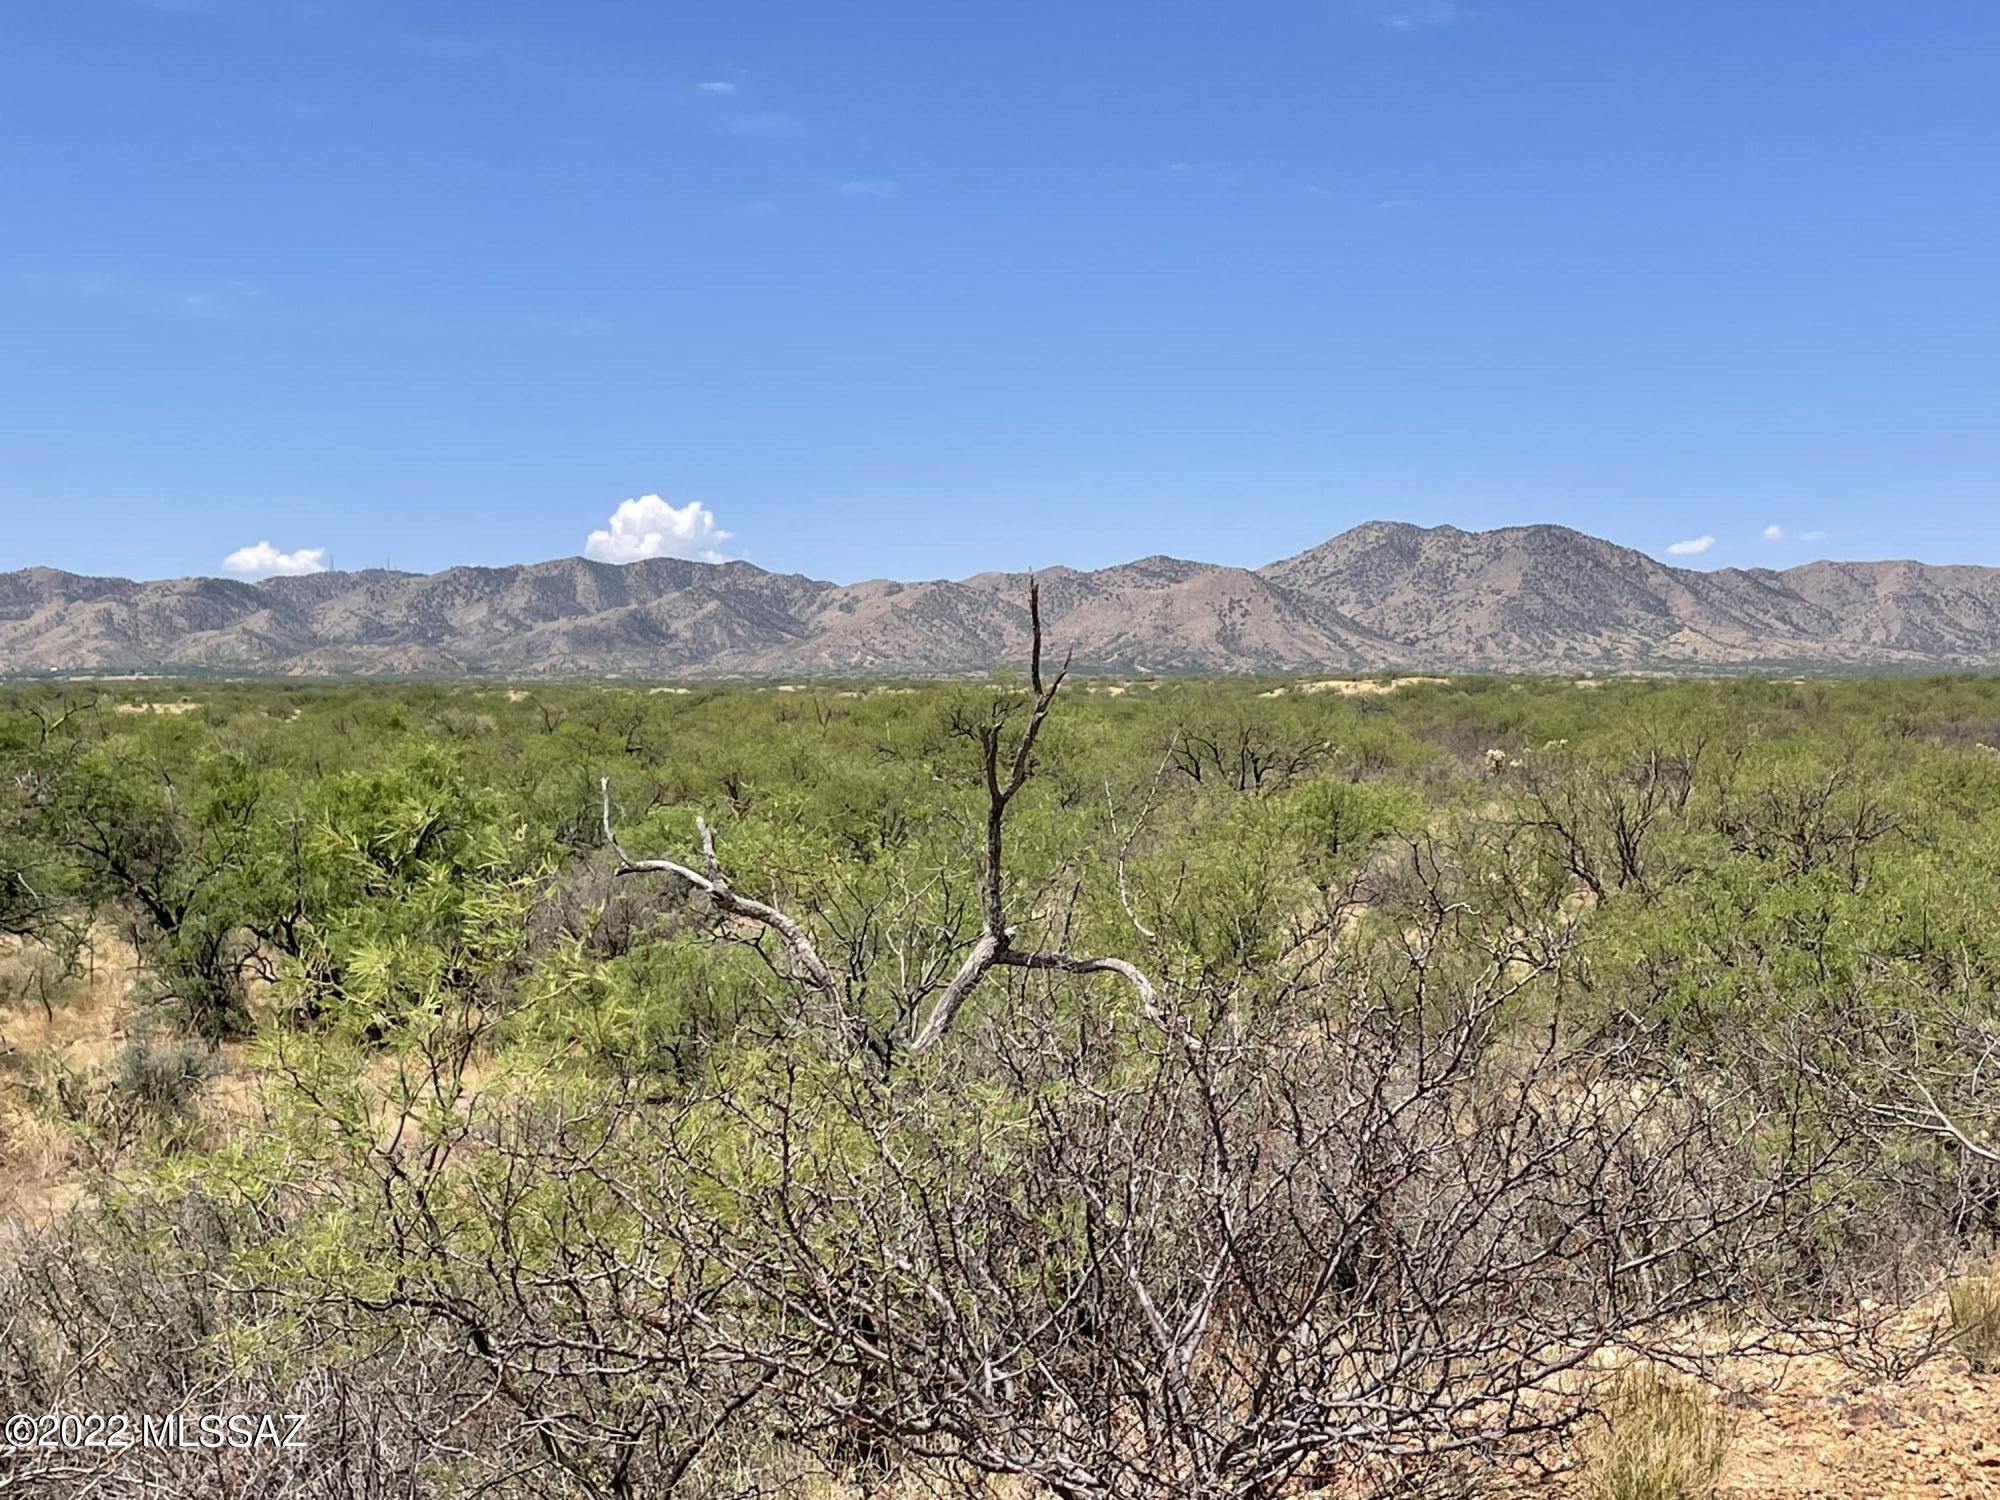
{"points": [[1367, 1093]]}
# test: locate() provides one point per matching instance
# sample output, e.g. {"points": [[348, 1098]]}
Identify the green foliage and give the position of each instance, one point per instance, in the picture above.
{"points": [[383, 852], [400, 897]]}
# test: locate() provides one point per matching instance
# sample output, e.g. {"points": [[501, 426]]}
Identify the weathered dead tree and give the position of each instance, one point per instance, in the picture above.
{"points": [[995, 947]]}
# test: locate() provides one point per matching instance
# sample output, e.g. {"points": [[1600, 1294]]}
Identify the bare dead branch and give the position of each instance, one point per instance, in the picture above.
{"points": [[995, 945], [715, 885], [49, 726], [1921, 1114]]}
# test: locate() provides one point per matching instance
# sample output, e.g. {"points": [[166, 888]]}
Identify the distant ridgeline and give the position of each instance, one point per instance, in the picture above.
{"points": [[1383, 596]]}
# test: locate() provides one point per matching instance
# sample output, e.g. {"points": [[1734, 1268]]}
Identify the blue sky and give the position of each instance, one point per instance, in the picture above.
{"points": [[920, 287]]}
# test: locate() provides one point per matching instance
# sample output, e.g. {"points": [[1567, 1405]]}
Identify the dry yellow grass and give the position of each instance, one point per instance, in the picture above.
{"points": [[57, 1062], [1975, 1318], [87, 1021], [1665, 1438]]}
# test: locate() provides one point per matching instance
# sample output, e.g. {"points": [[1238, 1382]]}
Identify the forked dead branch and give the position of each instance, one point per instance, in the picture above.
{"points": [[995, 946]]}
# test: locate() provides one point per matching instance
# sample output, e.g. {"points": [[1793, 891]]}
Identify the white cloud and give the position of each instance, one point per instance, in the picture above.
{"points": [[265, 561], [1774, 533], [1812, 536], [649, 527], [717, 86], [1693, 546], [869, 187]]}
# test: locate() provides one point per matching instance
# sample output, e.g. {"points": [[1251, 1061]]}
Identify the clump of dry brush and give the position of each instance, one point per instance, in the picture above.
{"points": [[1366, 1233]]}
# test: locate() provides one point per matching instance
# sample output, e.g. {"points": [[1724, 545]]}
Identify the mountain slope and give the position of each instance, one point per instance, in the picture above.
{"points": [[1548, 597], [1384, 595]]}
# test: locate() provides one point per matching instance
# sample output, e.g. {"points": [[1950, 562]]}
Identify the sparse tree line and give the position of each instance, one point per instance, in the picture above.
{"points": [[1173, 1092]]}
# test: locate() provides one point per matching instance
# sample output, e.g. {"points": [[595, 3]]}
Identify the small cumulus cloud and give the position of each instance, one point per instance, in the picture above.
{"points": [[262, 560], [649, 527], [718, 86], [1694, 546], [1774, 533], [869, 187]]}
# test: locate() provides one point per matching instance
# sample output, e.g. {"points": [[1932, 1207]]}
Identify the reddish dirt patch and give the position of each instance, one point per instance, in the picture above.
{"points": [[1821, 1431]]}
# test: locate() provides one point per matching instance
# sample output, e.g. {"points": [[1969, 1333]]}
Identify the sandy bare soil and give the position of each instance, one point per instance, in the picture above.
{"points": [[1353, 687], [1817, 1430]]}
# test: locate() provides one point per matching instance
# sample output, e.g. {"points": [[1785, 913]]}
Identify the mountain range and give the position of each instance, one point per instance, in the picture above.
{"points": [[1382, 596]]}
